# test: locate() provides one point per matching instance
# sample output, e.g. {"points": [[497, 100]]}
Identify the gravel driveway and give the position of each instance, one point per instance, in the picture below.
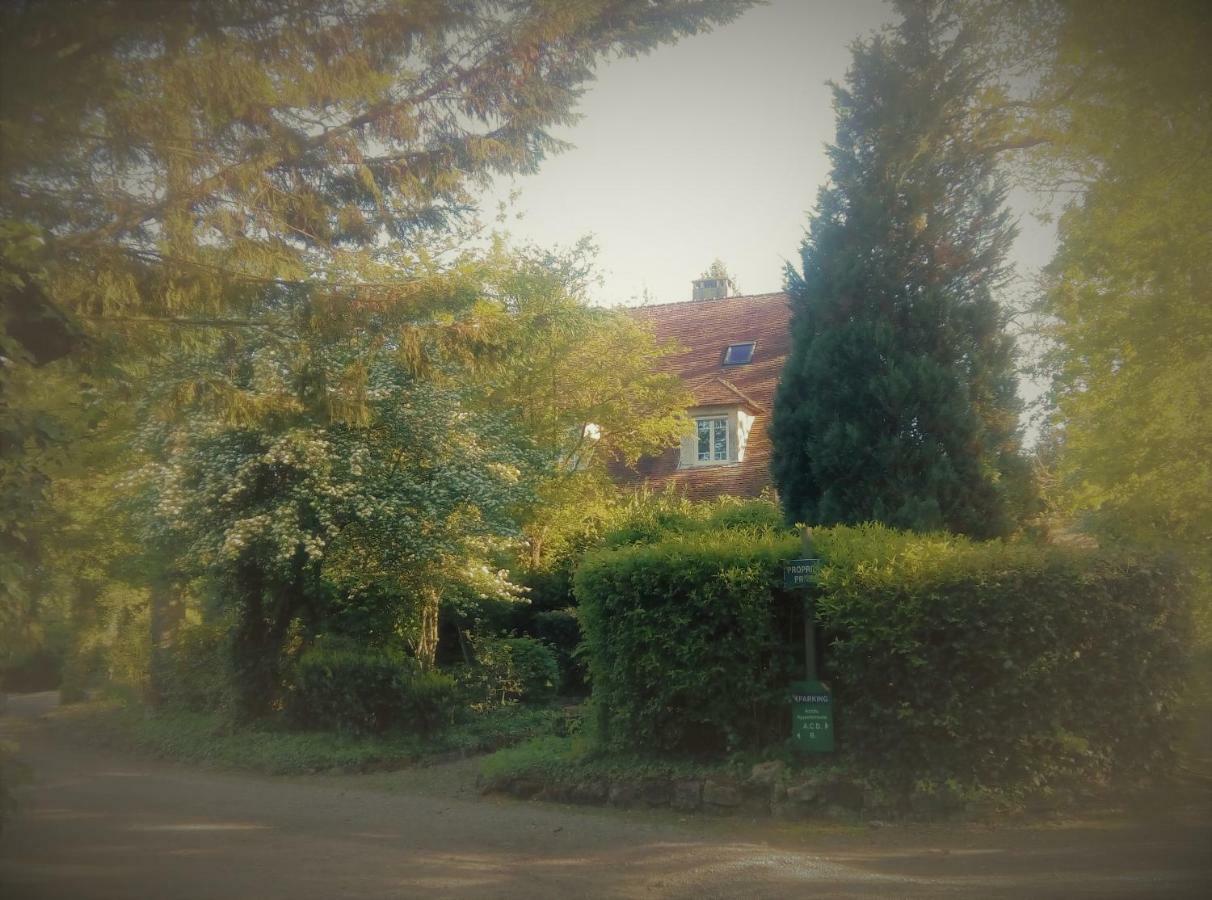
{"points": [[93, 825]]}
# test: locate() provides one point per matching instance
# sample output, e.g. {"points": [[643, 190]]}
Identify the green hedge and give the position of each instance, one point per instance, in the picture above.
{"points": [[688, 641], [997, 664], [368, 691], [651, 519]]}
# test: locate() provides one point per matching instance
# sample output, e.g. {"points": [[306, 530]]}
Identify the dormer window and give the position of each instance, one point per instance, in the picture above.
{"points": [[719, 437], [739, 354]]}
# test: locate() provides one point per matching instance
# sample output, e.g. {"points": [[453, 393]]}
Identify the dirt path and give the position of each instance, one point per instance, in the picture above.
{"points": [[96, 825]]}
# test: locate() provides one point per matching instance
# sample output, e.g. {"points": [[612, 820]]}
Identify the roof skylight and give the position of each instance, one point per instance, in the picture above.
{"points": [[739, 354]]}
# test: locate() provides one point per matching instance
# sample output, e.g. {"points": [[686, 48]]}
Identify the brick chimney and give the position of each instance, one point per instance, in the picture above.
{"points": [[712, 288]]}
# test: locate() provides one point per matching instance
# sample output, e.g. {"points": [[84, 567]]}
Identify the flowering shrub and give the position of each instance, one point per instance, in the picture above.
{"points": [[301, 503]]}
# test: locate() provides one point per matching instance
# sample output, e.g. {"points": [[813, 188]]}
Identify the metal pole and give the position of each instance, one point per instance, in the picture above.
{"points": [[809, 615]]}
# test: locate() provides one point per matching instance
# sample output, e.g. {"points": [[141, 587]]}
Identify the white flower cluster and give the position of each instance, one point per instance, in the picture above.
{"points": [[301, 449], [242, 533], [357, 460], [170, 496]]}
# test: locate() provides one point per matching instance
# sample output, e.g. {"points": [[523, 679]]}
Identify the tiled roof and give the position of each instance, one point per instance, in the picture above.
{"points": [[703, 329], [712, 391]]}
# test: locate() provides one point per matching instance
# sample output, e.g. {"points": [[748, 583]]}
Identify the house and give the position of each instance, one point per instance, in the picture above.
{"points": [[731, 356]]}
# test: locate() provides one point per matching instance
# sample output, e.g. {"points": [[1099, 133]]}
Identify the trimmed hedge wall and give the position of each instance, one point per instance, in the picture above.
{"points": [[685, 648], [1000, 663], [991, 663]]}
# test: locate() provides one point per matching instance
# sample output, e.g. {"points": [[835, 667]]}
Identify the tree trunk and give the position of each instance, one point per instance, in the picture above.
{"points": [[427, 640], [165, 612]]}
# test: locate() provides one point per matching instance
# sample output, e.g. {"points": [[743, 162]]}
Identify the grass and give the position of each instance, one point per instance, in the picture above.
{"points": [[209, 740], [568, 759]]}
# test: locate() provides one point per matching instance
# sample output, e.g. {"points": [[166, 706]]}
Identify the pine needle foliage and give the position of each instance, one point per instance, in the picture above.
{"points": [[174, 157], [897, 403]]}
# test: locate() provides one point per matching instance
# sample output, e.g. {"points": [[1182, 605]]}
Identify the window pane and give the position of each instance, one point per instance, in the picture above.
{"points": [[720, 443], [704, 426], [738, 354]]}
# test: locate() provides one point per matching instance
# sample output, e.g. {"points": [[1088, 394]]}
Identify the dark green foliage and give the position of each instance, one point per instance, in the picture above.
{"points": [[688, 641], [999, 663], [560, 630], [535, 667], [40, 669], [368, 691], [509, 670], [897, 403], [199, 674]]}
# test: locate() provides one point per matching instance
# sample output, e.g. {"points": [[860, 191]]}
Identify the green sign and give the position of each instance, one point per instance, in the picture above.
{"points": [[812, 717], [799, 572]]}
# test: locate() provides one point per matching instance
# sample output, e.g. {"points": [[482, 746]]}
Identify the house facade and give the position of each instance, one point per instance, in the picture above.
{"points": [[732, 350]]}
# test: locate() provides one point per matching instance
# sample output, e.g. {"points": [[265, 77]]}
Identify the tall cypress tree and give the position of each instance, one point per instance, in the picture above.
{"points": [[898, 403]]}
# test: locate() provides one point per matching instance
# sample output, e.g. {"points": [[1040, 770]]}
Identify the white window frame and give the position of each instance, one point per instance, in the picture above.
{"points": [[715, 423]]}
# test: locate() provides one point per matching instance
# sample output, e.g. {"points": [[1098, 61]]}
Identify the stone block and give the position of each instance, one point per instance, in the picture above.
{"points": [[721, 794], [688, 795], [767, 773], [656, 792], [803, 792], [591, 792]]}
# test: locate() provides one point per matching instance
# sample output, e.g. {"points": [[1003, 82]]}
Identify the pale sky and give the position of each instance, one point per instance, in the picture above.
{"points": [[712, 147]]}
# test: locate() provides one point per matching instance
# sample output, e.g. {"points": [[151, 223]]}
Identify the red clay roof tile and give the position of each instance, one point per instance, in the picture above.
{"points": [[703, 329]]}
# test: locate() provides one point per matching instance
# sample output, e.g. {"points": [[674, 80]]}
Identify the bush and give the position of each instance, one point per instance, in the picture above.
{"points": [[199, 675], [687, 642], [649, 519], [752, 515], [12, 773], [995, 664], [367, 691], [508, 670]]}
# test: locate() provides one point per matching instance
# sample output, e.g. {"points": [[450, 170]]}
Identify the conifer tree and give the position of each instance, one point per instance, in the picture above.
{"points": [[897, 402]]}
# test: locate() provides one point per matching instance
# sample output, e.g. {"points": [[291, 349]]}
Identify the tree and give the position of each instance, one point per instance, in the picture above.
{"points": [[175, 158], [336, 479], [897, 402], [1120, 123], [174, 173], [334, 482], [585, 383]]}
